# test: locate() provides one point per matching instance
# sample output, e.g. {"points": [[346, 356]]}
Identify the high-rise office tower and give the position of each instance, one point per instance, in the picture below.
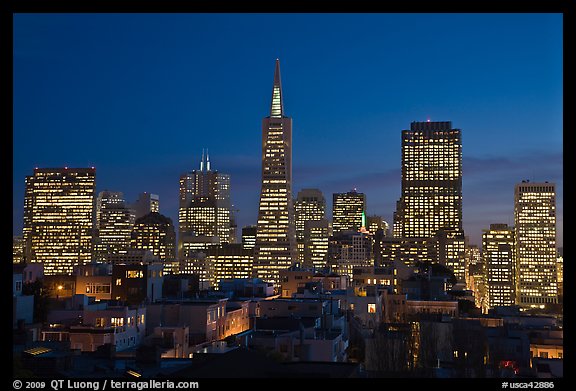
{"points": [[473, 257], [347, 250], [560, 273], [155, 232], [374, 223], [348, 211], [204, 203], [59, 218], [27, 217], [535, 221], [499, 255], [114, 223], [316, 237], [275, 237], [229, 261], [106, 198], [146, 203], [249, 237], [387, 250], [451, 252], [309, 205], [17, 249], [431, 196]]}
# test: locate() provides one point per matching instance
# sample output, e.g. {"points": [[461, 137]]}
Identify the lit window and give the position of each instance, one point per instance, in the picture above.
{"points": [[134, 274], [371, 308], [117, 321]]}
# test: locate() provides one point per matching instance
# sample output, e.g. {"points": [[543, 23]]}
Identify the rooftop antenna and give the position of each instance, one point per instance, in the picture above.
{"points": [[202, 161]]}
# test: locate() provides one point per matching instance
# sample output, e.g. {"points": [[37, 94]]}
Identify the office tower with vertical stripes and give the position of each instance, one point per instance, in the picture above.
{"points": [[309, 205], [59, 218], [275, 236], [114, 223], [431, 197], [535, 222], [348, 211], [499, 254]]}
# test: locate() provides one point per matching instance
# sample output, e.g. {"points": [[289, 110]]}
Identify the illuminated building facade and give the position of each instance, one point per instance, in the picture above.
{"points": [[560, 273], [473, 257], [407, 250], [451, 252], [498, 250], [535, 221], [374, 223], [431, 180], [204, 203], [348, 211], [135, 283], [17, 249], [309, 205], [106, 198], [230, 261], [155, 232], [193, 250], [316, 237], [59, 218], [146, 203], [27, 217], [275, 236], [347, 250], [114, 223], [249, 237]]}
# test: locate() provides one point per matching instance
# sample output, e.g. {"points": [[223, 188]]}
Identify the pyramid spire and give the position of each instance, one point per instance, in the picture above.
{"points": [[207, 160], [277, 107], [202, 161]]}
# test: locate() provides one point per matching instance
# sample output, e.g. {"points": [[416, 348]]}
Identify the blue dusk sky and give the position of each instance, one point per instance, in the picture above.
{"points": [[139, 96]]}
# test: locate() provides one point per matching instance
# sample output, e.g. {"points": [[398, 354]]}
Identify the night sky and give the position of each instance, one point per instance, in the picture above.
{"points": [[139, 96]]}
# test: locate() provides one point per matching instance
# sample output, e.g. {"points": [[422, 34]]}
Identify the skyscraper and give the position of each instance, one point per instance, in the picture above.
{"points": [[59, 217], [155, 232], [229, 261], [348, 211], [374, 223], [499, 256], [204, 203], [249, 237], [310, 205], [535, 221], [17, 249], [451, 252], [275, 237], [114, 223], [145, 204], [431, 196], [105, 198], [316, 237], [347, 250]]}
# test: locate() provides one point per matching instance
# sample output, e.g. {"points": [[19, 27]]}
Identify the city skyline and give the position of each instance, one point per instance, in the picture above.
{"points": [[349, 117]]}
